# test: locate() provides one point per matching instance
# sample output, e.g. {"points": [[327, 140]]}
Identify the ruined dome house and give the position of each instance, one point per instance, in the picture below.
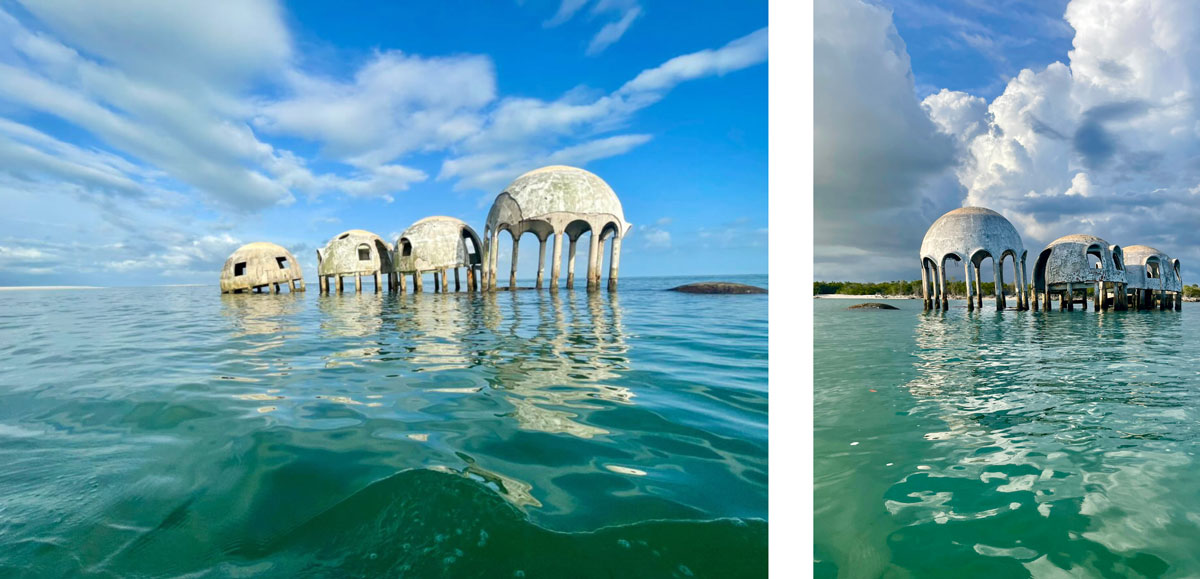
{"points": [[969, 235], [259, 265], [436, 244], [1072, 264], [353, 253], [1154, 279], [556, 201]]}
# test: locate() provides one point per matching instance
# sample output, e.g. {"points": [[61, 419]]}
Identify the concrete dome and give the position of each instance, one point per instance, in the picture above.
{"points": [[1140, 260], [550, 199], [436, 243], [1065, 260], [966, 231], [259, 264], [341, 256]]}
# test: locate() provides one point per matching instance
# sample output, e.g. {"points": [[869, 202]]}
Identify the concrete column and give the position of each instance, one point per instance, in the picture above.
{"points": [[418, 282], [614, 263], [1179, 301], [358, 283], [471, 278], [967, 267], [555, 265], [1035, 296], [400, 282], [925, 286], [593, 270], [322, 284], [341, 282], [437, 282], [998, 281], [377, 282], [1119, 297], [1162, 300], [274, 288], [1025, 289], [541, 261], [942, 287], [1099, 297], [512, 275], [978, 288], [457, 286], [571, 264]]}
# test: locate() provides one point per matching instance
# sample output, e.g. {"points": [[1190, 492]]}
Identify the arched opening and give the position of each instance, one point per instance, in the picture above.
{"points": [[405, 247], [985, 276], [364, 252], [1039, 270], [1010, 279], [608, 239], [473, 247], [1118, 257], [385, 255], [1095, 257], [1152, 268], [1175, 266], [578, 235]]}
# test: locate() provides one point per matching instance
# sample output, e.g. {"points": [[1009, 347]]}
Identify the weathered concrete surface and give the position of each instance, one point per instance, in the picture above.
{"points": [[437, 243], [557, 201], [872, 306], [341, 256], [967, 236], [261, 264], [718, 287], [1065, 260], [1139, 260]]}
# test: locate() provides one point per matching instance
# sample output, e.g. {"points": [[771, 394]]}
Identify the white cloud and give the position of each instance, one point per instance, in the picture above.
{"points": [[613, 31], [1116, 123], [881, 165]]}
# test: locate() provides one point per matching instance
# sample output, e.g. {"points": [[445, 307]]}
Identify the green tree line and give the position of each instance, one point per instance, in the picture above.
{"points": [[913, 288], [899, 288]]}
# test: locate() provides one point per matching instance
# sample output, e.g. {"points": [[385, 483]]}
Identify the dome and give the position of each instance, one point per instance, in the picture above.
{"points": [[557, 189], [258, 264], [968, 230], [1140, 259], [435, 243], [354, 252], [1066, 260]]}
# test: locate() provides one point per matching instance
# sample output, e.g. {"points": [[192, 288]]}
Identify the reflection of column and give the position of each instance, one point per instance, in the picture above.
{"points": [[571, 263], [593, 270], [541, 260], [512, 275], [925, 284], [614, 260], [554, 265]]}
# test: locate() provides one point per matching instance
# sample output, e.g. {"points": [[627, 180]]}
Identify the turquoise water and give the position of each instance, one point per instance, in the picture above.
{"points": [[1006, 444], [175, 431]]}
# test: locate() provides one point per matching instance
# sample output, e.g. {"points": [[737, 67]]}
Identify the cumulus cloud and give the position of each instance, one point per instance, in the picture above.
{"points": [[1116, 124], [881, 165]]}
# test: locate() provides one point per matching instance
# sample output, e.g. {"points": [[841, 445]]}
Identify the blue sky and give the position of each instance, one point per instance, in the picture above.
{"points": [[1066, 117], [141, 142]]}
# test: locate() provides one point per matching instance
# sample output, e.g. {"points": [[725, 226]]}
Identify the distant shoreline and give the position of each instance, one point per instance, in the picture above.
{"points": [[10, 288]]}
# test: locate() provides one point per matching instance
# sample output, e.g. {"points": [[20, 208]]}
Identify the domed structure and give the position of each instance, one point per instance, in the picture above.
{"points": [[437, 244], [559, 201], [1075, 262], [255, 266], [1152, 274], [355, 252], [969, 235]]}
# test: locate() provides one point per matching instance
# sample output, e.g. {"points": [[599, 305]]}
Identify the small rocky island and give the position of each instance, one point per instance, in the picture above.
{"points": [[872, 306], [718, 287]]}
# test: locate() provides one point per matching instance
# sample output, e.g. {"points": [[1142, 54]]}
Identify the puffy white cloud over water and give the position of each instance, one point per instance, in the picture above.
{"points": [[1107, 141]]}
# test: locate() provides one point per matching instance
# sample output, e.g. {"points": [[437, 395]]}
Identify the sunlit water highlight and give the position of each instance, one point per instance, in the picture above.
{"points": [[172, 431], [1006, 444]]}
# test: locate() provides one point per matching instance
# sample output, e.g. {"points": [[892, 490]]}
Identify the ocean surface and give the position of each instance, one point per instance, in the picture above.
{"points": [[176, 431], [1006, 444]]}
